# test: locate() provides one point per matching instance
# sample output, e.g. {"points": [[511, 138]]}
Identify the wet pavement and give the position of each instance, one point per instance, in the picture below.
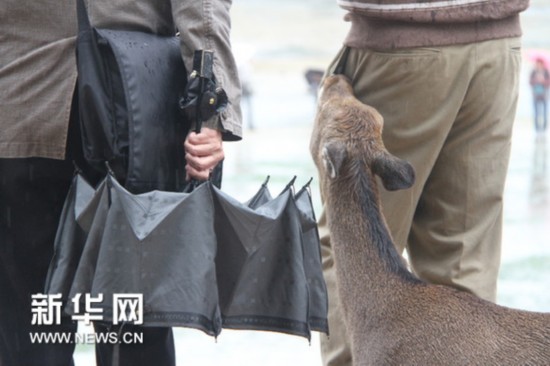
{"points": [[282, 113]]}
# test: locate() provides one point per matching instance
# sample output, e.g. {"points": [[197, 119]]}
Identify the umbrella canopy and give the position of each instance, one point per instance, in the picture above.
{"points": [[268, 288], [201, 259], [539, 54], [137, 247], [81, 206]]}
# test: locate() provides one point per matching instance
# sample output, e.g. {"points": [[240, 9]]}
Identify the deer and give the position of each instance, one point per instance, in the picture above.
{"points": [[393, 317]]}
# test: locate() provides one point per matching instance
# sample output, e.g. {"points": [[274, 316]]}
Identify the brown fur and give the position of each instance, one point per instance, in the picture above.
{"points": [[393, 317]]}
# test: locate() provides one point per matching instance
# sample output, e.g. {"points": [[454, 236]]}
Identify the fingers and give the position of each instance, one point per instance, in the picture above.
{"points": [[200, 167], [203, 143], [203, 152]]}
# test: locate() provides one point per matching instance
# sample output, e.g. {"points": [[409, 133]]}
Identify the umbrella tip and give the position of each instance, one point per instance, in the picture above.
{"points": [[109, 170], [264, 184], [77, 170], [305, 187], [291, 183]]}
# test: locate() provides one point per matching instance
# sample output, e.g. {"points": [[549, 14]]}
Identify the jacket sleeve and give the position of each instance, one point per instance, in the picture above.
{"points": [[206, 25]]}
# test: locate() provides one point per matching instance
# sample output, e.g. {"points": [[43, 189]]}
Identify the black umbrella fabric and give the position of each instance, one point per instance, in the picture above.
{"points": [[270, 289], [281, 257], [318, 303], [139, 244], [200, 259], [81, 206]]}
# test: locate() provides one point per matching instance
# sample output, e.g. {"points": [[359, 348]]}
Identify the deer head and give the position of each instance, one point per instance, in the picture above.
{"points": [[348, 136]]}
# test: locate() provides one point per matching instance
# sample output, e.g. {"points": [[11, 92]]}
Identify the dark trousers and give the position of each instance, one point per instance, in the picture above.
{"points": [[32, 193], [157, 348]]}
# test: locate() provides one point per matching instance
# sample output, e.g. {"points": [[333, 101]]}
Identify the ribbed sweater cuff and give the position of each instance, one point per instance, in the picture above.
{"points": [[386, 34]]}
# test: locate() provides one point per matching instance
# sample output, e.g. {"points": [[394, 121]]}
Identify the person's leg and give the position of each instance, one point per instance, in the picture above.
{"points": [[536, 114], [32, 193], [156, 349], [540, 115], [456, 234], [419, 92], [335, 349], [544, 114], [408, 88]]}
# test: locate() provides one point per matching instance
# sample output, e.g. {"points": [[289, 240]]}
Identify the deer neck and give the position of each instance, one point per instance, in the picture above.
{"points": [[368, 265]]}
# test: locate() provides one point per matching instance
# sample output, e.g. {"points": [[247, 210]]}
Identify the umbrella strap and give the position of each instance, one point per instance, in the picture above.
{"points": [[202, 63], [82, 16]]}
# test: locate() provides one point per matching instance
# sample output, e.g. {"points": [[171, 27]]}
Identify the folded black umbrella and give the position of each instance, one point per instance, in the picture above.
{"points": [[200, 259], [269, 289], [80, 208], [280, 274], [149, 244]]}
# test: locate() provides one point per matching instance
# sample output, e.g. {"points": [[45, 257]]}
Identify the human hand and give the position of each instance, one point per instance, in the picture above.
{"points": [[203, 151]]}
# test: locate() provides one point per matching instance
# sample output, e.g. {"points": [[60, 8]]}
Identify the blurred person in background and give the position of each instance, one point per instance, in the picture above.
{"points": [[540, 82], [444, 75]]}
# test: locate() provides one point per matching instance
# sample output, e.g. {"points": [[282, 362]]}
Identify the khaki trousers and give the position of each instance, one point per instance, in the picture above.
{"points": [[449, 111]]}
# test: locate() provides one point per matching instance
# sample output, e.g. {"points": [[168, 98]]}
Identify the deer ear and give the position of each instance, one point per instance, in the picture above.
{"points": [[333, 155], [395, 173]]}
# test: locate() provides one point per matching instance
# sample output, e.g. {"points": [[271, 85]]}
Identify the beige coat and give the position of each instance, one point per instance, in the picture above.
{"points": [[38, 69]]}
